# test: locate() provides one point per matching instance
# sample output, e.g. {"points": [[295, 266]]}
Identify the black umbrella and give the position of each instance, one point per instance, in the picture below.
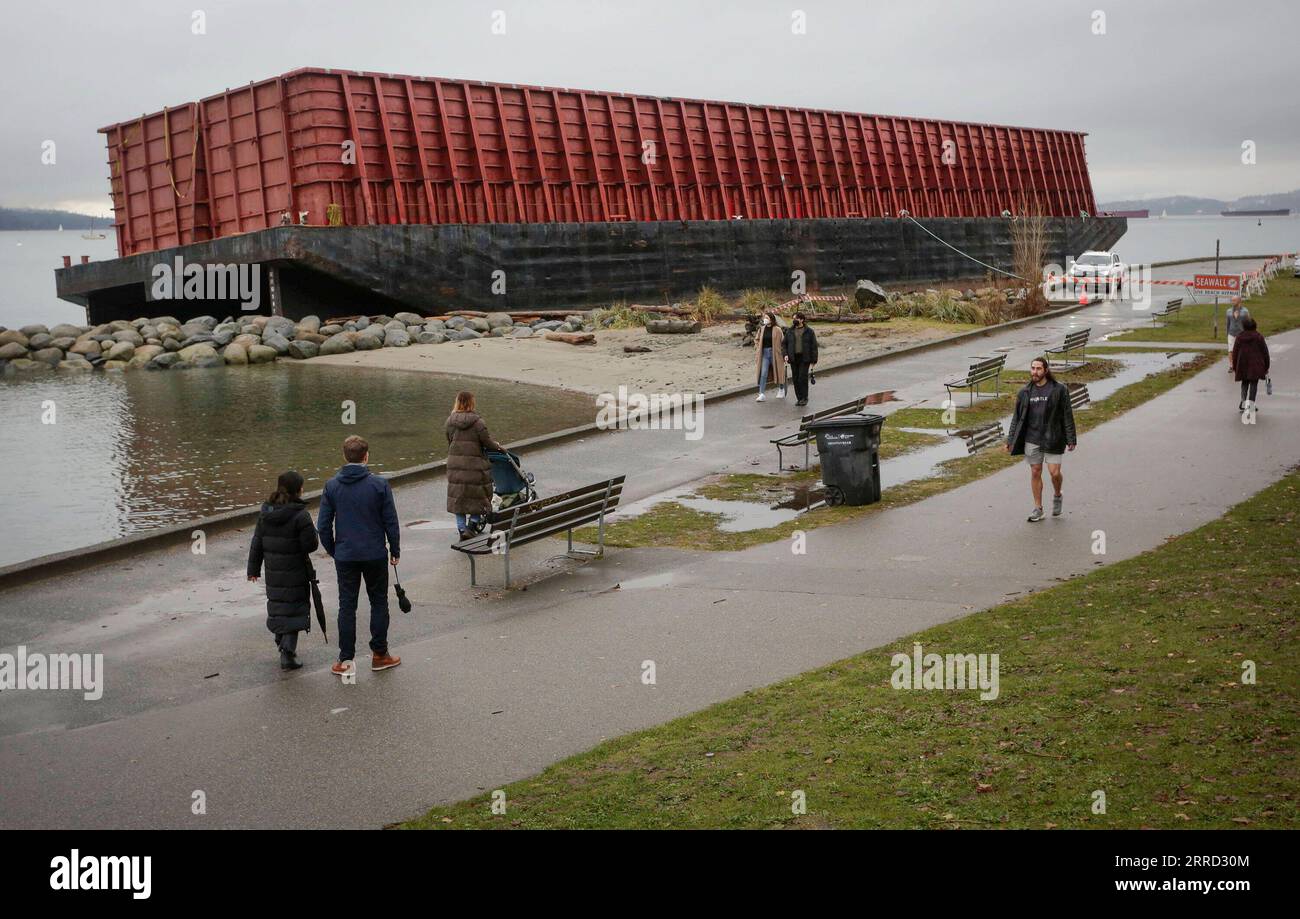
{"points": [[403, 603], [316, 599]]}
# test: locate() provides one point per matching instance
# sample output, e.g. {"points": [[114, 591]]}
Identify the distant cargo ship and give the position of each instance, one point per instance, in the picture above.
{"points": [[1280, 212]]}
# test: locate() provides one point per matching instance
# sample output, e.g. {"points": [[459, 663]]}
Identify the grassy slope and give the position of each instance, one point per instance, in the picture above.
{"points": [[671, 524], [1127, 681], [1276, 311]]}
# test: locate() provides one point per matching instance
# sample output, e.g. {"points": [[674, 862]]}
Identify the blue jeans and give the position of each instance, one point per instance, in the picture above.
{"points": [[762, 369], [376, 575], [463, 522]]}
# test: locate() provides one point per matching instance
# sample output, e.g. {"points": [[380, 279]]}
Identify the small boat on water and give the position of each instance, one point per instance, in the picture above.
{"points": [[92, 234]]}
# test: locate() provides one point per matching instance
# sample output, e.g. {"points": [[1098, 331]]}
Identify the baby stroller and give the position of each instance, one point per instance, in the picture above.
{"points": [[510, 484]]}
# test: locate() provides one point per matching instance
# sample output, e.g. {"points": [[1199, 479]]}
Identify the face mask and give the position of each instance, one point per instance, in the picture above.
{"points": [[766, 321]]}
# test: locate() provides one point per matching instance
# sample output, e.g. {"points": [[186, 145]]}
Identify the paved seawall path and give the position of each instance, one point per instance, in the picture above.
{"points": [[494, 686]]}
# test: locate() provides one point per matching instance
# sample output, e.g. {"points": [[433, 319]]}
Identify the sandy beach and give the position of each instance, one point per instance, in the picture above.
{"points": [[703, 363]]}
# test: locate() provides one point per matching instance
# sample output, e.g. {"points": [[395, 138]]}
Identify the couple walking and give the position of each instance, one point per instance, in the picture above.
{"points": [[358, 528], [775, 347]]}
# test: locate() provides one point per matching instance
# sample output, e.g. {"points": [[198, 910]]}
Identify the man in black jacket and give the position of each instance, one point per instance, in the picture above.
{"points": [[1043, 430], [801, 352]]}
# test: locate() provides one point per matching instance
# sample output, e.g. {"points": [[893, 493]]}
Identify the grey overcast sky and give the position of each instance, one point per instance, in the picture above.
{"points": [[1167, 94]]}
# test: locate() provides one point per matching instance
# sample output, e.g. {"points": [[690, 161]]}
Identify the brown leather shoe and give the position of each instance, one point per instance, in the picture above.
{"points": [[343, 667], [384, 661]]}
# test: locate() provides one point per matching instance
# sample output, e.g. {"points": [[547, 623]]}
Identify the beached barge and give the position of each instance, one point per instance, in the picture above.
{"points": [[361, 192]]}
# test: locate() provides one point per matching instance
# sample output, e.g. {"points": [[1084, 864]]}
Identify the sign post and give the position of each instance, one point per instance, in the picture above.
{"points": [[1216, 296]]}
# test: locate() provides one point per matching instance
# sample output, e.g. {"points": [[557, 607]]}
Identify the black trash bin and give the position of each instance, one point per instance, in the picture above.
{"points": [[849, 448]]}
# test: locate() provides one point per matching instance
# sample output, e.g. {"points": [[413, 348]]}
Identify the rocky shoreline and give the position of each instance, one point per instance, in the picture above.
{"points": [[164, 342]]}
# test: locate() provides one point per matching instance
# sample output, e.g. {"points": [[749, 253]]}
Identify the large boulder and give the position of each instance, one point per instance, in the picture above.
{"points": [[40, 340], [86, 347], [547, 325], [197, 338], [303, 350], [247, 340], [274, 340], [430, 338], [465, 335], [35, 328], [435, 325], [130, 335], [14, 337], [869, 293], [261, 354], [214, 360], [63, 342], [361, 322], [337, 344], [499, 319], [479, 325], [114, 365], [409, 318], [75, 364], [235, 354], [309, 324], [330, 330], [280, 325], [313, 337], [521, 332], [397, 338], [26, 365], [171, 344], [121, 351], [11, 350], [367, 341], [50, 356], [164, 360], [144, 354], [64, 329], [190, 354], [456, 323], [394, 325]]}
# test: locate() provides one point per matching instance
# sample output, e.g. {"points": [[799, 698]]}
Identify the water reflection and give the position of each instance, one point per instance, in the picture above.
{"points": [[128, 452]]}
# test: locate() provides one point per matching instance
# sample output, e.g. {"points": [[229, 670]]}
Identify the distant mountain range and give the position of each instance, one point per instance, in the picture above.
{"points": [[1186, 205], [26, 218]]}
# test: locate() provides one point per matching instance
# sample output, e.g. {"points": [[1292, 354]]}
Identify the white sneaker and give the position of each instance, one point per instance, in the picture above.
{"points": [[761, 398], [780, 393]]}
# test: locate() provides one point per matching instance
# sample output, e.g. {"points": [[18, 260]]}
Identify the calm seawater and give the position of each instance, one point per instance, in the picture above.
{"points": [[131, 451]]}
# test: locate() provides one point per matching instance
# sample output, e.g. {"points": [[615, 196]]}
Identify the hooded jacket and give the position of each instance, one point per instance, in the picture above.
{"points": [[356, 514], [282, 540], [1250, 356], [1059, 420], [469, 473]]}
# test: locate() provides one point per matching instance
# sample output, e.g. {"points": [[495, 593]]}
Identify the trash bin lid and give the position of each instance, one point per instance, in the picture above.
{"points": [[862, 420]]}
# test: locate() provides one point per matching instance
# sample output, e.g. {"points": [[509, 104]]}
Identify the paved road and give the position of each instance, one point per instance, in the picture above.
{"points": [[494, 687]]}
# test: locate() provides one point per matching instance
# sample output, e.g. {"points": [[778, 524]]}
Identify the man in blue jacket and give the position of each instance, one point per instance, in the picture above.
{"points": [[356, 514]]}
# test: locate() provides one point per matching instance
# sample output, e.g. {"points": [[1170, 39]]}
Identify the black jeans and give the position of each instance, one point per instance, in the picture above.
{"points": [[799, 369], [376, 576], [1251, 387]]}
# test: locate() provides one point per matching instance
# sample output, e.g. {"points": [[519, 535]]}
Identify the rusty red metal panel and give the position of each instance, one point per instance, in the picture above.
{"points": [[426, 150]]}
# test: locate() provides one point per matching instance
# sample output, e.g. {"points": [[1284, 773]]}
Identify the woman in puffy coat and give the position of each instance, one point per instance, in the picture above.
{"points": [[282, 542], [1250, 361], [469, 473]]}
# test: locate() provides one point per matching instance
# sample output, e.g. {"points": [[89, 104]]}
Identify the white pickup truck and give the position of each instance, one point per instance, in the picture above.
{"points": [[1104, 269]]}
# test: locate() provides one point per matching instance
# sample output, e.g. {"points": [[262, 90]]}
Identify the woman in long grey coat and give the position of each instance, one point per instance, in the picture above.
{"points": [[469, 474]]}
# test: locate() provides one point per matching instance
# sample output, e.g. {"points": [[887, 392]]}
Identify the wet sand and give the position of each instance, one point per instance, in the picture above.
{"points": [[710, 361]]}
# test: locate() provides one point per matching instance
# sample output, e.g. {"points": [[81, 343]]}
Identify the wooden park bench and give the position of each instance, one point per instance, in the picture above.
{"points": [[803, 437], [1079, 397], [983, 370], [985, 436], [525, 523], [1171, 309], [1074, 342]]}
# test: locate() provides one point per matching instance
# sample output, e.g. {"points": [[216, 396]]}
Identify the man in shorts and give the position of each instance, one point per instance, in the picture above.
{"points": [[1043, 430]]}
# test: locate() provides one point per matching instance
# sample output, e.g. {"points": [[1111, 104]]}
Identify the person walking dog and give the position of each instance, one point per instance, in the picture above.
{"points": [[769, 347], [1250, 360], [1042, 429], [283, 541], [357, 516], [801, 352], [469, 472]]}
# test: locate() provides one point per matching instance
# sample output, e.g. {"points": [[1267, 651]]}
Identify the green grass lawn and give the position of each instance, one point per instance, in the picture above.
{"points": [[1276, 311], [1127, 681], [671, 524]]}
